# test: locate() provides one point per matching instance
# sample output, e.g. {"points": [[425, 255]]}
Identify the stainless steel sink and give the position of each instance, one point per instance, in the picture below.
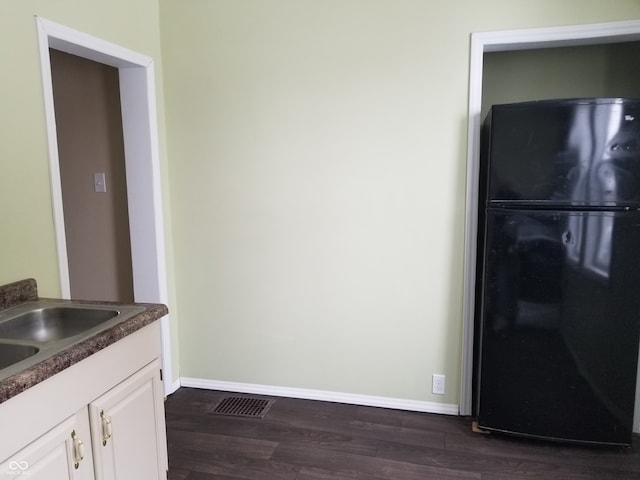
{"points": [[11, 353], [53, 323], [34, 331]]}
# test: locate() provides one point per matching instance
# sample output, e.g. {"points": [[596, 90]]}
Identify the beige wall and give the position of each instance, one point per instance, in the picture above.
{"points": [[318, 158], [89, 130]]}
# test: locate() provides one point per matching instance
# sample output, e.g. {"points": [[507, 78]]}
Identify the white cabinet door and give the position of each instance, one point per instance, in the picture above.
{"points": [[128, 429], [64, 452]]}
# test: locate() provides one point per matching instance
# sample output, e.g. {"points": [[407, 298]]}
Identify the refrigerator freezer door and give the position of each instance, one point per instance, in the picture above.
{"points": [[560, 324], [565, 153]]}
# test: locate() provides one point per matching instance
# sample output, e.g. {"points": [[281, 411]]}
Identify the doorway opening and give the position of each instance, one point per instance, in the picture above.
{"points": [[93, 178], [514, 40], [139, 127]]}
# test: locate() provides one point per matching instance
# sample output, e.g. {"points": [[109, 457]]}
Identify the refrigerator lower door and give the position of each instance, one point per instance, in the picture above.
{"points": [[560, 324]]}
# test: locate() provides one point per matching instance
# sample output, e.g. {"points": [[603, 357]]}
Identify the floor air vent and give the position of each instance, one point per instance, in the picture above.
{"points": [[243, 407]]}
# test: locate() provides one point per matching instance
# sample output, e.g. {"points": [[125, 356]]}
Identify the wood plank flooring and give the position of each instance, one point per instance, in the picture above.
{"points": [[312, 440]]}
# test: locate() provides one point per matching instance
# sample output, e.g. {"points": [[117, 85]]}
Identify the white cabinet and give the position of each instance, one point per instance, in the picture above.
{"points": [[64, 452], [127, 440], [107, 409]]}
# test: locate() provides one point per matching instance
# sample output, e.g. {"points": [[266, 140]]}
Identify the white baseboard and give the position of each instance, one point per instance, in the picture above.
{"points": [[327, 396], [173, 387]]}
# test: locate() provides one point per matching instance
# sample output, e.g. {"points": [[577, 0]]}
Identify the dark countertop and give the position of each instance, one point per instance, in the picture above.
{"points": [[26, 291]]}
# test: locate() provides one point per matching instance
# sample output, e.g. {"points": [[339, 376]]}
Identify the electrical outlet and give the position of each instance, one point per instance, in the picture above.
{"points": [[437, 384]]}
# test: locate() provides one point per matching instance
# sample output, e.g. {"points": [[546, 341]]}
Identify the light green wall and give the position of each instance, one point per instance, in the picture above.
{"points": [[611, 70], [27, 243], [317, 171], [316, 160]]}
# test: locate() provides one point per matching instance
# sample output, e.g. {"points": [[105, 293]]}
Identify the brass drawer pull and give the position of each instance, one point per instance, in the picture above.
{"points": [[78, 449], [106, 428]]}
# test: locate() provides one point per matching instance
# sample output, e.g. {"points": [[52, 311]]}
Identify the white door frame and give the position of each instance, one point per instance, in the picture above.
{"points": [[142, 163], [494, 42]]}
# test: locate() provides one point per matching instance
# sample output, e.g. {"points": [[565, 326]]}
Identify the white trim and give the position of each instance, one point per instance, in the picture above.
{"points": [[323, 395], [173, 388], [142, 159], [90, 47], [567, 36], [502, 41], [54, 162]]}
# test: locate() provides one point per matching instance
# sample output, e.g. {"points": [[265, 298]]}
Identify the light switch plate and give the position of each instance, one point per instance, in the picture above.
{"points": [[99, 182]]}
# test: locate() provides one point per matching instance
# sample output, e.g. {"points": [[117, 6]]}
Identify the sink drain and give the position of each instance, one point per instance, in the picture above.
{"points": [[243, 407]]}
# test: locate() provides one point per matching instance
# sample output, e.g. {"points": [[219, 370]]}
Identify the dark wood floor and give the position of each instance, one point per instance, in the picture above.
{"points": [[312, 440]]}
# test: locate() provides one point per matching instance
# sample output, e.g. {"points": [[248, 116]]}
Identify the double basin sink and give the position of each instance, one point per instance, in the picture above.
{"points": [[33, 331]]}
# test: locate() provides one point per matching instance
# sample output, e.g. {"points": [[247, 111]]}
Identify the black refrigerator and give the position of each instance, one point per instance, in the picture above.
{"points": [[558, 274]]}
